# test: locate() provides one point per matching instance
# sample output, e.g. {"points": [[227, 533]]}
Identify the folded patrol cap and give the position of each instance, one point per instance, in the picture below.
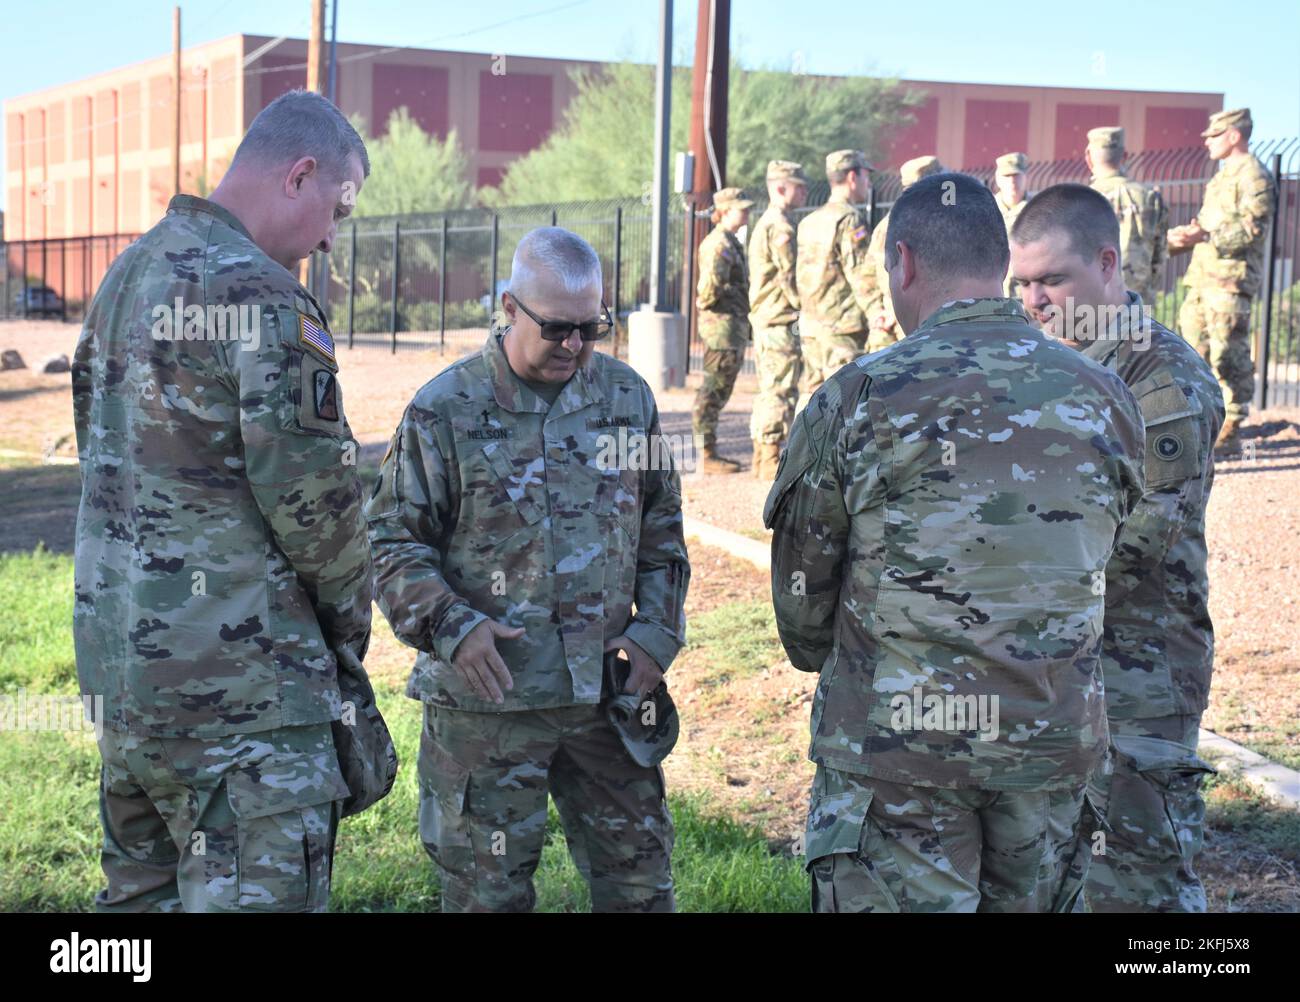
{"points": [[1012, 163], [648, 725], [1221, 121]]}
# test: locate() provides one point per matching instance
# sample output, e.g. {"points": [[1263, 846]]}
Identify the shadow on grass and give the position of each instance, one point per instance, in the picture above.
{"points": [[38, 504]]}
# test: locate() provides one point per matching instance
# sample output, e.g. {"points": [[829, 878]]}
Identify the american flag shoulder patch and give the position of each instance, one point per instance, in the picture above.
{"points": [[315, 338]]}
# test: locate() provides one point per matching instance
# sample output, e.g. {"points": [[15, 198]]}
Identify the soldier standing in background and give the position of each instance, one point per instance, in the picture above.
{"points": [[1158, 649], [1227, 243], [523, 511], [773, 311], [222, 571], [835, 274], [1011, 195], [1139, 208], [722, 302], [884, 326], [944, 512]]}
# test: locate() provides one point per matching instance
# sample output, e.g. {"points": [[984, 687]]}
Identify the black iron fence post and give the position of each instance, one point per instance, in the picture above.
{"points": [[63, 279], [492, 292], [7, 304], [352, 282], [442, 287], [555, 217], [1266, 314], [618, 259], [397, 264], [24, 294]]}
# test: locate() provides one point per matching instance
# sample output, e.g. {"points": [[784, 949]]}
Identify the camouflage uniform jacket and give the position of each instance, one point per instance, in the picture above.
{"points": [[1143, 221], [1159, 646], [490, 504], [773, 294], [722, 295], [221, 557], [1236, 213], [942, 520], [836, 276], [1010, 213]]}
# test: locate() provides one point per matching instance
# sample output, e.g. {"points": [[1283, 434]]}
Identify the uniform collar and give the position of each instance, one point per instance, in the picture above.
{"points": [[1104, 349], [1101, 175], [966, 310], [194, 205], [512, 394]]}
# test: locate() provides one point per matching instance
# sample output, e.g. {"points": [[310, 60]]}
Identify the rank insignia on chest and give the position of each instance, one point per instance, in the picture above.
{"points": [[315, 339]]}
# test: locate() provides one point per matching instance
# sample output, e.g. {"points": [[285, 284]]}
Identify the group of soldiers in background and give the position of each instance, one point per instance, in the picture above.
{"points": [[814, 297]]}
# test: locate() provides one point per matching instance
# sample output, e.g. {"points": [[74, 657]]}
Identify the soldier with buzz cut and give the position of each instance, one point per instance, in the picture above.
{"points": [[884, 325], [527, 532], [835, 275], [1143, 218], [773, 311], [1158, 650], [722, 302], [223, 577], [1227, 244], [941, 528]]}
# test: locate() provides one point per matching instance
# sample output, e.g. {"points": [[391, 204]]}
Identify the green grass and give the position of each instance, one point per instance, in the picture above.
{"points": [[49, 822], [740, 639]]}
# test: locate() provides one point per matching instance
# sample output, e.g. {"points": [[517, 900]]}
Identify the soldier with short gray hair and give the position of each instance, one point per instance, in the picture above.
{"points": [[222, 572], [527, 532]]}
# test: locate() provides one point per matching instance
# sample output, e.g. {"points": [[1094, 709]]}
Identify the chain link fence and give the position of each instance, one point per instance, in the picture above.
{"points": [[432, 282]]}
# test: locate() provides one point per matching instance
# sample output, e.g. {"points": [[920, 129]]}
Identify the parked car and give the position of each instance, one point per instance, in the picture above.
{"points": [[38, 301]]}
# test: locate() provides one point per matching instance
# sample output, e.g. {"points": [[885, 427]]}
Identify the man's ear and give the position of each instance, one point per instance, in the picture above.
{"points": [[1109, 263], [906, 261], [299, 171], [508, 305]]}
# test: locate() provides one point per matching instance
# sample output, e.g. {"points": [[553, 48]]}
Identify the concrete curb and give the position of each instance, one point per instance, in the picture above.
{"points": [[1275, 782]]}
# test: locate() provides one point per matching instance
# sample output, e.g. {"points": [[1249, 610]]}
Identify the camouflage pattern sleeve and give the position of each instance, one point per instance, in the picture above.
{"points": [[859, 265], [296, 447], [663, 570], [415, 504], [809, 519], [715, 269], [1242, 228], [781, 243]]}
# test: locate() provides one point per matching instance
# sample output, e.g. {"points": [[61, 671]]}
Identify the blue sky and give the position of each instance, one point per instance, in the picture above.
{"points": [[1254, 59]]}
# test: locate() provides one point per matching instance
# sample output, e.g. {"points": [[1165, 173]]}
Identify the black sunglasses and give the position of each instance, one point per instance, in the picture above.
{"points": [[559, 330]]}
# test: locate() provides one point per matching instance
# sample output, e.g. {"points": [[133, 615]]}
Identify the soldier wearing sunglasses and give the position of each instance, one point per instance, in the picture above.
{"points": [[519, 539]]}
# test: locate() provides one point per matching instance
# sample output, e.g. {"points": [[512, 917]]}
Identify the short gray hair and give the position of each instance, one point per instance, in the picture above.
{"points": [[298, 124], [953, 226], [551, 253]]}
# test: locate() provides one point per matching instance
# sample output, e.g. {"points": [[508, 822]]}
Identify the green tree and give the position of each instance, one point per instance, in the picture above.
{"points": [[604, 146], [412, 171]]}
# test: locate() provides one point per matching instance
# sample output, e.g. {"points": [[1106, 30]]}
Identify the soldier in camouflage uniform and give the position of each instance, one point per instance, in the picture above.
{"points": [[1227, 243], [941, 524], [885, 329], [774, 308], [835, 275], [1158, 650], [1010, 180], [223, 578], [1143, 218], [722, 302], [523, 510]]}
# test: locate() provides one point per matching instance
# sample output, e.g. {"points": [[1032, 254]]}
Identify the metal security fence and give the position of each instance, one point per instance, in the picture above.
{"points": [[421, 282]]}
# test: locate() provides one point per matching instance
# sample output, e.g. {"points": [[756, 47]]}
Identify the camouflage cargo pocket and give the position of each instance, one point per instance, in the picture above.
{"points": [[286, 811], [1174, 774], [848, 859], [444, 795]]}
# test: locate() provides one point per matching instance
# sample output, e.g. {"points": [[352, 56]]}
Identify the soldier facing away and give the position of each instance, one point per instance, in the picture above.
{"points": [[1143, 218], [1227, 244], [722, 299], [773, 311], [222, 571], [943, 517], [885, 329], [1158, 650], [836, 278], [516, 525]]}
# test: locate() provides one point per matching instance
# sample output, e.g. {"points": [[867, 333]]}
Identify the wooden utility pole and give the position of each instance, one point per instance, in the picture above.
{"points": [[176, 98], [708, 122], [315, 46]]}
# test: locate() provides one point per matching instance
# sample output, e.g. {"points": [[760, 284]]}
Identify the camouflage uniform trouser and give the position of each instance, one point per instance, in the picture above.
{"points": [[484, 778], [777, 358], [1217, 324], [721, 367], [874, 845], [1153, 802], [240, 823], [824, 355]]}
